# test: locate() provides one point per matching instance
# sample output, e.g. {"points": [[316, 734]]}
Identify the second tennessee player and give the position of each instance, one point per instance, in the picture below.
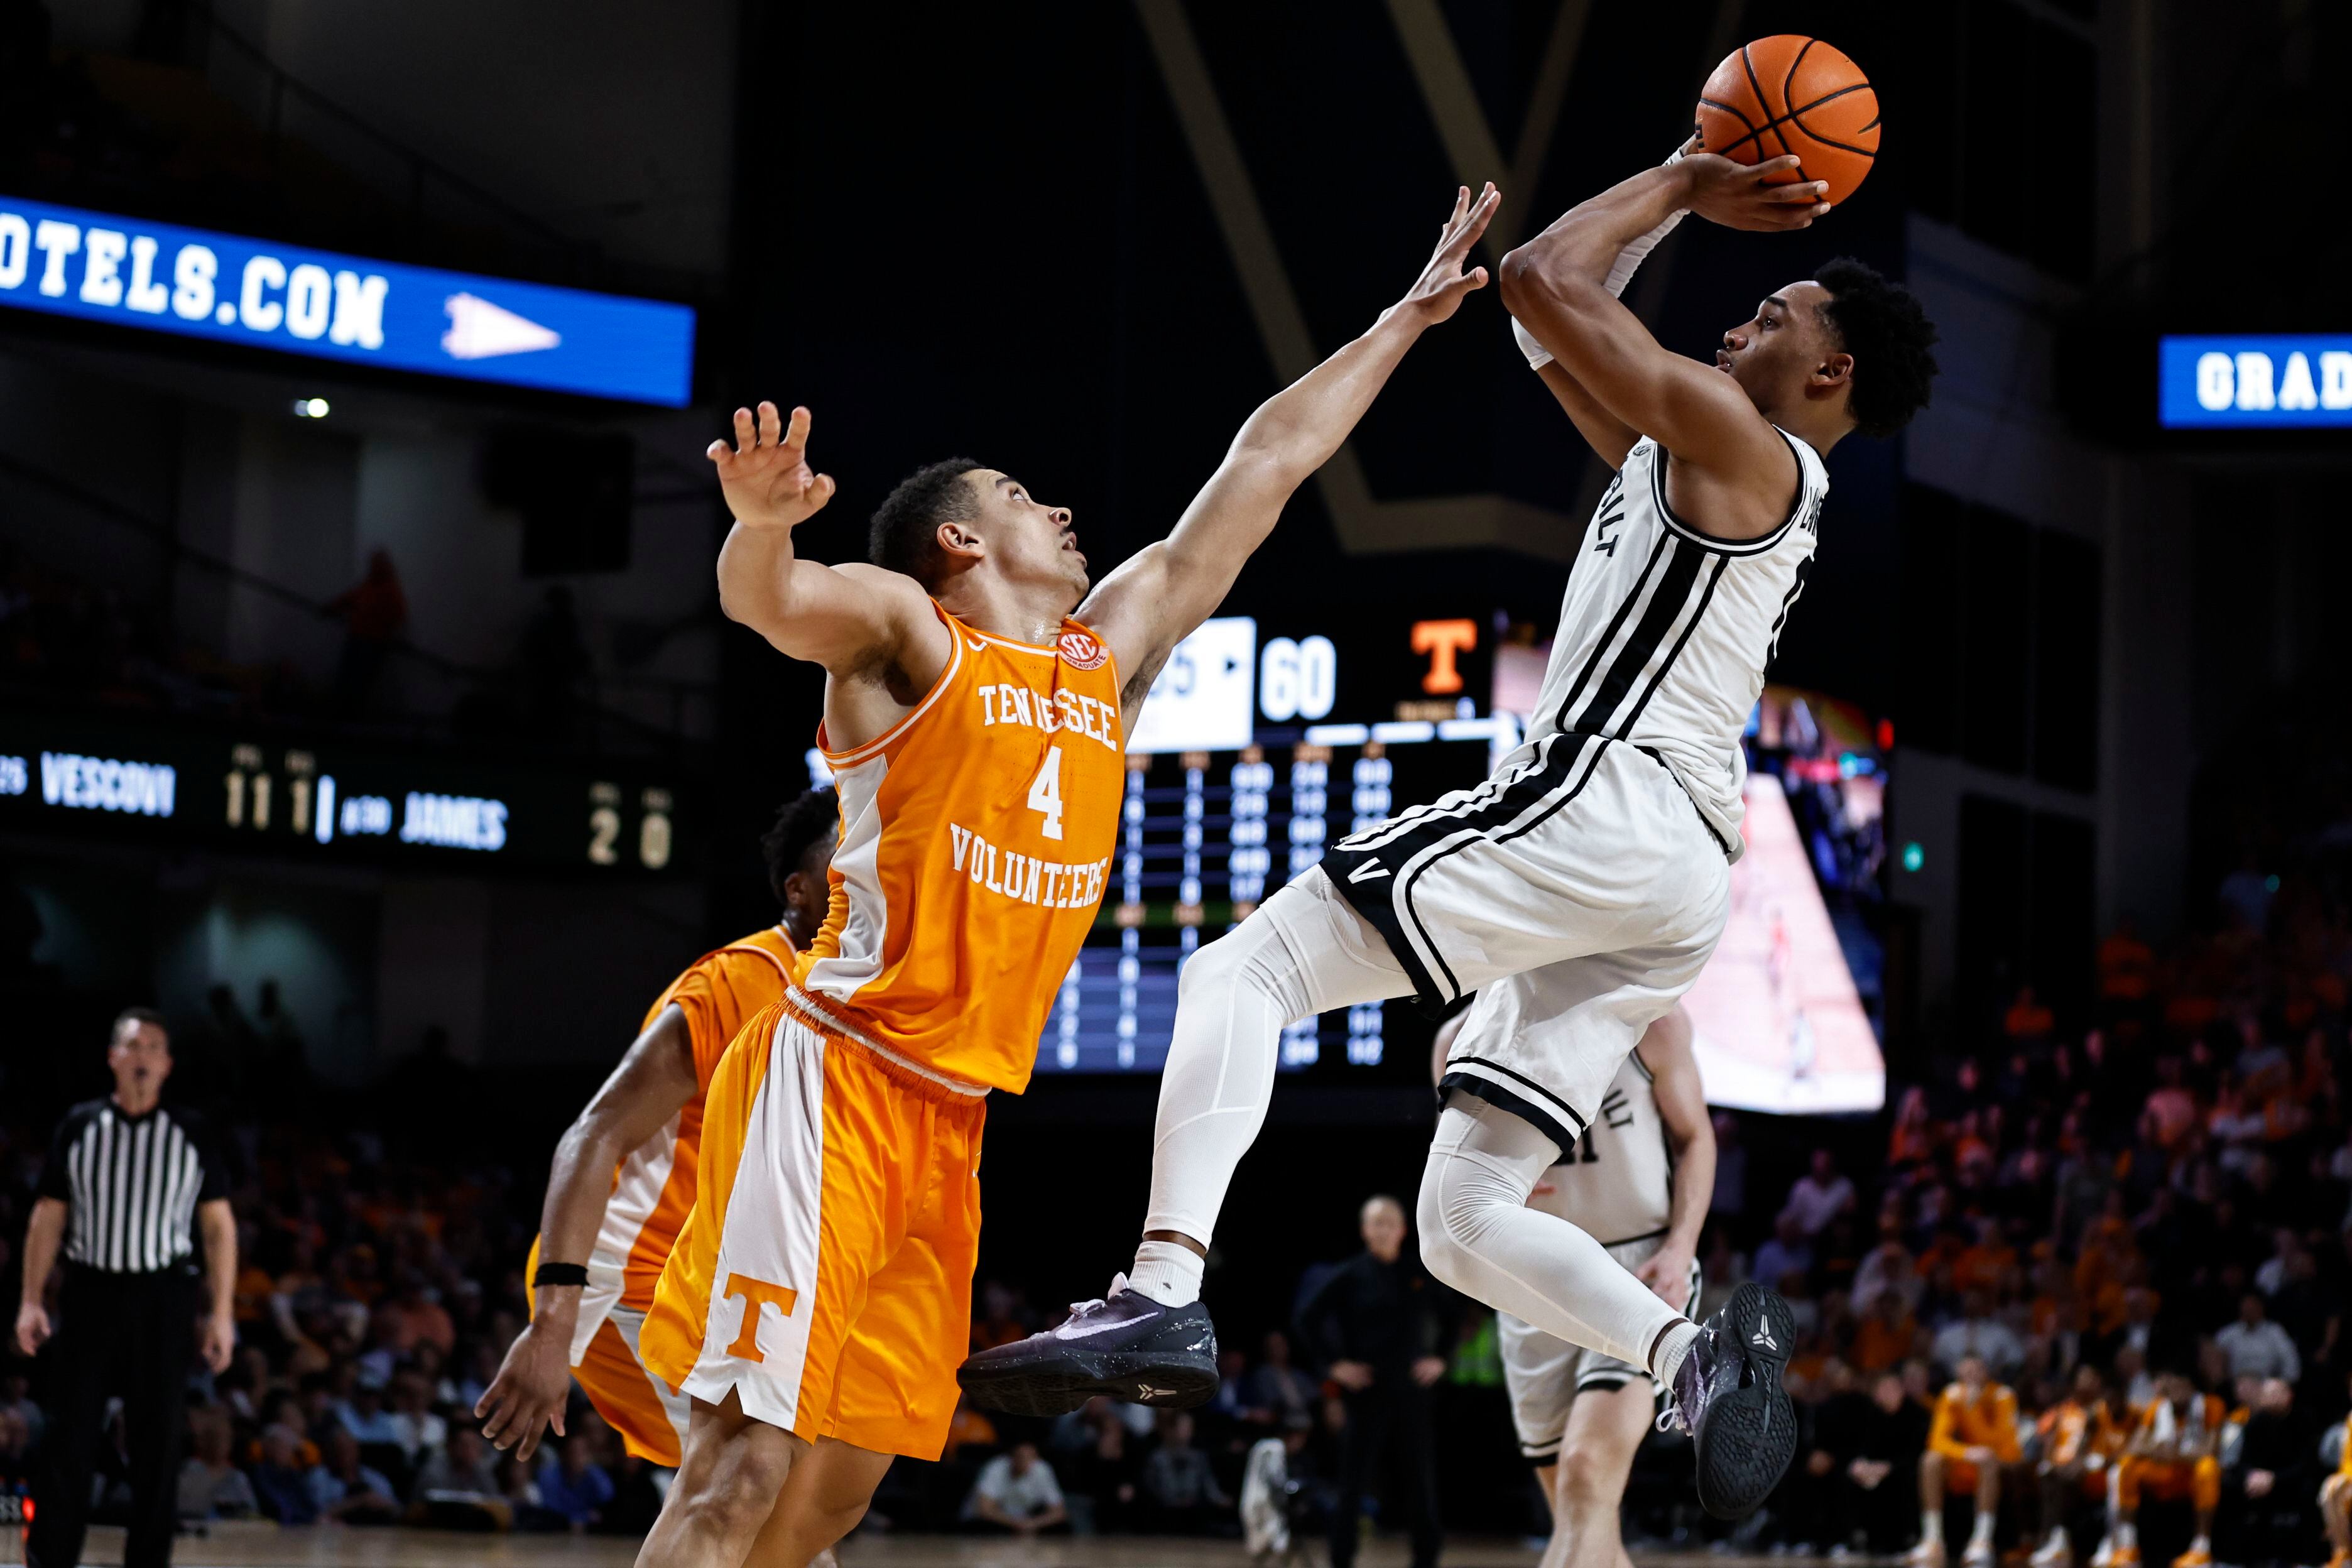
{"points": [[623, 1179], [978, 697]]}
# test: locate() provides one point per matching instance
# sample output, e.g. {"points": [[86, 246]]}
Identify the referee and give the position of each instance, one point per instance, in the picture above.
{"points": [[124, 1187]]}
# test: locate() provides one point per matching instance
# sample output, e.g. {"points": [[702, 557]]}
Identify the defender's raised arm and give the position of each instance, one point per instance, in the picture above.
{"points": [[848, 617], [1155, 599]]}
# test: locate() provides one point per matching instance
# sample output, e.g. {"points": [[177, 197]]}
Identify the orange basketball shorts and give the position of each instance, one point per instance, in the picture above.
{"points": [[824, 1276], [648, 1414], [2200, 1481]]}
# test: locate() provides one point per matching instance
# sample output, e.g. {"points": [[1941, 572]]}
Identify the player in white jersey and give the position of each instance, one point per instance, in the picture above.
{"points": [[1638, 1181], [1595, 862]]}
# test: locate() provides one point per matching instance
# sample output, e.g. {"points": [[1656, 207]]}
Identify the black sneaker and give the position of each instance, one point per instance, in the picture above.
{"points": [[1728, 1397], [1127, 1345]]}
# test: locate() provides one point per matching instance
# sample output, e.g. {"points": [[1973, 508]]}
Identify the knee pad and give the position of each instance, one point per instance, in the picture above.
{"points": [[1251, 957]]}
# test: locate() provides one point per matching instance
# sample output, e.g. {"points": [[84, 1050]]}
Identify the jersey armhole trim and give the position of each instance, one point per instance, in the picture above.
{"points": [[837, 760], [1717, 543]]}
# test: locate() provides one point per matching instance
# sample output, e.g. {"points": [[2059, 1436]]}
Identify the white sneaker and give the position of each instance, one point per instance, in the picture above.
{"points": [[2104, 1556], [1927, 1554], [1980, 1553], [2058, 1551]]}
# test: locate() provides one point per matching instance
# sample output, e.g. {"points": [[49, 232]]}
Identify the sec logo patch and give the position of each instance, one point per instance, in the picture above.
{"points": [[1081, 651]]}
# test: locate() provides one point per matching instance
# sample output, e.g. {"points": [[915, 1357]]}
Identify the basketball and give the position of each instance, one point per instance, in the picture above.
{"points": [[1789, 93]]}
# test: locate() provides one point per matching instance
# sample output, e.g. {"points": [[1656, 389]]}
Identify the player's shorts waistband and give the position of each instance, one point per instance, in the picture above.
{"points": [[928, 1083]]}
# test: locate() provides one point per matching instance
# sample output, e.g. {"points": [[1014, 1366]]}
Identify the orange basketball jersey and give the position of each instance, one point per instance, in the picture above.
{"points": [[976, 839], [653, 1187]]}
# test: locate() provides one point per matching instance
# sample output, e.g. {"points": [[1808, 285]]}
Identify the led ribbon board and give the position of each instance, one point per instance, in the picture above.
{"points": [[2301, 381], [258, 293]]}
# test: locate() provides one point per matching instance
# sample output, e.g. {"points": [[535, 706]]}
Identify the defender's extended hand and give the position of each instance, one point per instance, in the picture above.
{"points": [[1437, 292], [765, 475], [1734, 194]]}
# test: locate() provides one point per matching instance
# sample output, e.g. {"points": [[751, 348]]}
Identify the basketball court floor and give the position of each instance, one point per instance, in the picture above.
{"points": [[267, 1546]]}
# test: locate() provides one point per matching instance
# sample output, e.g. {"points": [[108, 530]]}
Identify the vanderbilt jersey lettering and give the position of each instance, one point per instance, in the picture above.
{"points": [[976, 839], [1618, 1183], [1666, 629]]}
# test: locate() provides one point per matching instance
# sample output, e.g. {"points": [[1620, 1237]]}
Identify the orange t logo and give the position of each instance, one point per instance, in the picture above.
{"points": [[756, 1293], [1442, 640]]}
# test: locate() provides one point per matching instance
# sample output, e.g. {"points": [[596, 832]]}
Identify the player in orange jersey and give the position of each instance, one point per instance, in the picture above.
{"points": [[2081, 1439], [2336, 1501], [624, 1176], [978, 697], [1972, 1439], [2175, 1452]]}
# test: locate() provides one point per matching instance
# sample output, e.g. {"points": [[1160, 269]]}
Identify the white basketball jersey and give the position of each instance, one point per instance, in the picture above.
{"points": [[1617, 1185], [1665, 630]]}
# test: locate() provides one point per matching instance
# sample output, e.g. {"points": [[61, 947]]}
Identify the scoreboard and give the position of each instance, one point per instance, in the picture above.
{"points": [[334, 802]]}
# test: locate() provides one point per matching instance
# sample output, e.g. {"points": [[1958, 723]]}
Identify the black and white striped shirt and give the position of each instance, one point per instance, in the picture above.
{"points": [[131, 1185]]}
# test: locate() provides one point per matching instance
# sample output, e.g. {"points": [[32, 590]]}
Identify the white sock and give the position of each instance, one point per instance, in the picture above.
{"points": [[1931, 1527], [1304, 950], [1981, 1532], [1478, 1235], [1168, 1272], [2128, 1533], [2201, 1543], [1673, 1350]]}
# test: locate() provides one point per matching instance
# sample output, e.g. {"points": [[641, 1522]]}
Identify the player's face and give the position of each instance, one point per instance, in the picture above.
{"points": [[1774, 352], [1028, 540]]}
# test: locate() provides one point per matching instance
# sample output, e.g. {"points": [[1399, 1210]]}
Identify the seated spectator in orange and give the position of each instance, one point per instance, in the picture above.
{"points": [[1971, 1440], [1983, 1266], [1885, 1338], [2126, 965], [2027, 1019], [1913, 1141], [2174, 1452]]}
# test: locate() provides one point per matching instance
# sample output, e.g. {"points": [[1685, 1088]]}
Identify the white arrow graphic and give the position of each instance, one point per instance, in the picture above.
{"points": [[479, 330]]}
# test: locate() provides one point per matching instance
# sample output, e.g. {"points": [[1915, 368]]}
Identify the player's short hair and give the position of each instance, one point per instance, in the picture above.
{"points": [[131, 1016], [906, 523], [808, 817], [1881, 325]]}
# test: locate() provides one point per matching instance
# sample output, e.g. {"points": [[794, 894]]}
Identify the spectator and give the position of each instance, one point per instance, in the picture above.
{"points": [[1184, 1496], [2255, 1346], [347, 1491], [373, 612], [464, 1465], [211, 1486], [572, 1485], [283, 1480], [1787, 1252], [1103, 1468], [1819, 1196], [1887, 1335], [2267, 1482], [1017, 1492], [1280, 1388], [1979, 1333], [1879, 1449]]}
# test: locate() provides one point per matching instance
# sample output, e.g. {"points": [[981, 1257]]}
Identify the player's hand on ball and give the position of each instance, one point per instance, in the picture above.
{"points": [[1437, 293], [765, 475], [1741, 196]]}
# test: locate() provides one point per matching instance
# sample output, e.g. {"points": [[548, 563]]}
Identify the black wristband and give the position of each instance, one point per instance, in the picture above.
{"points": [[559, 1274]]}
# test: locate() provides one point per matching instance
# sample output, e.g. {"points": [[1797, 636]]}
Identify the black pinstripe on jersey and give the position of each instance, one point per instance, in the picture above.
{"points": [[131, 1185]]}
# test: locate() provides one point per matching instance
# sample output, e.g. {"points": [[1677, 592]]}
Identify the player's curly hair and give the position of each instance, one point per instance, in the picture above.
{"points": [[1881, 325], [906, 523], [812, 814]]}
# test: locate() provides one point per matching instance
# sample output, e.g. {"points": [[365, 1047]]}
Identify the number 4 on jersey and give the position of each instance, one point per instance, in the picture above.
{"points": [[1045, 793]]}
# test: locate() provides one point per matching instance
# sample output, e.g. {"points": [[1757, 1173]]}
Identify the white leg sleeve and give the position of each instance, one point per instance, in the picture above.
{"points": [[1304, 950], [1478, 1235]]}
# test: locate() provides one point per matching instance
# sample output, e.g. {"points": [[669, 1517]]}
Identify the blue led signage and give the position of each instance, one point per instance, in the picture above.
{"points": [[2301, 381], [263, 294]]}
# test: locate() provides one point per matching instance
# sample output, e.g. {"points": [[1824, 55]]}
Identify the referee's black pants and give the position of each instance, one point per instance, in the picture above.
{"points": [[1394, 1409], [131, 1334]]}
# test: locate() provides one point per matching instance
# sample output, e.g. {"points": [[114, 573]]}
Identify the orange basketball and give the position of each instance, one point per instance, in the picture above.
{"points": [[1789, 93]]}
